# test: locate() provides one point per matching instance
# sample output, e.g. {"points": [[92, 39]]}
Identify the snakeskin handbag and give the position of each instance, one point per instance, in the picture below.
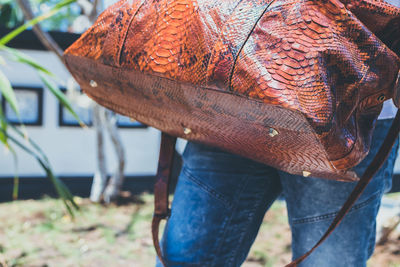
{"points": [[297, 84]]}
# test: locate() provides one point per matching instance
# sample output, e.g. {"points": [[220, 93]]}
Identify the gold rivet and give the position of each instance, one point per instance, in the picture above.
{"points": [[187, 131], [306, 173], [273, 132], [93, 83]]}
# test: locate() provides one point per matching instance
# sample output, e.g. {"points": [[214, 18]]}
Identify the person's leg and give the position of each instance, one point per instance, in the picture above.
{"points": [[313, 203], [218, 206]]}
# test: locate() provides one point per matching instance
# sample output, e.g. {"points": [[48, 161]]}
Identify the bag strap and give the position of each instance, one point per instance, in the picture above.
{"points": [[161, 188], [369, 173], [164, 171]]}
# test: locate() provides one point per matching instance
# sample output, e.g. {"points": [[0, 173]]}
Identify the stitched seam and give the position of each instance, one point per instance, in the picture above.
{"points": [[118, 59], [206, 188], [220, 36], [333, 214], [234, 207], [244, 43], [244, 233], [221, 232]]}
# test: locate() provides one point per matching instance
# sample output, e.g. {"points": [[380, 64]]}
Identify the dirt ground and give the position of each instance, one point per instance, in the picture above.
{"points": [[39, 233]]}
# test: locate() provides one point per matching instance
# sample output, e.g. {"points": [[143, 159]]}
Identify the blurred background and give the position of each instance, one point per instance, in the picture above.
{"points": [[107, 161], [76, 154]]}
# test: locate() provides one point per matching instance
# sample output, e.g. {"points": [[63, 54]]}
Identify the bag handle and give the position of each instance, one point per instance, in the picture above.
{"points": [[369, 173], [161, 189]]}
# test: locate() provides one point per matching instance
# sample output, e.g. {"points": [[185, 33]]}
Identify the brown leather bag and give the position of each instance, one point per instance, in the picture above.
{"points": [[295, 84]]}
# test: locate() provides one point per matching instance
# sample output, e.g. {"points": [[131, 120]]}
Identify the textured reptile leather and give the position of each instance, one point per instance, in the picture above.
{"points": [[161, 188], [295, 84], [233, 71], [367, 176]]}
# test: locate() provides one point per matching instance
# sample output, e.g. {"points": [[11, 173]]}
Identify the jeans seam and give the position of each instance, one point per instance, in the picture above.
{"points": [[223, 231], [250, 215], [333, 214], [207, 189], [371, 245]]}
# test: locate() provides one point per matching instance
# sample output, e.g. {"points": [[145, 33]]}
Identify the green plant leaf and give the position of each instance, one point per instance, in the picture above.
{"points": [[60, 187], [25, 59], [36, 20], [60, 96], [3, 125], [40, 156], [22, 135], [4, 140], [8, 92]]}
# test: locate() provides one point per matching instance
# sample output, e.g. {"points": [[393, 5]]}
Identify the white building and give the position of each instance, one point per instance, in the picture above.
{"points": [[71, 149]]}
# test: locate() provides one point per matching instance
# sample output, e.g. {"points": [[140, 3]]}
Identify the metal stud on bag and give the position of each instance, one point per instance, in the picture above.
{"points": [[187, 131], [273, 132], [93, 83]]}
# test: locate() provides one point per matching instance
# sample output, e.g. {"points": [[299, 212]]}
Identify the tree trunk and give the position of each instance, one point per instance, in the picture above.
{"points": [[100, 176], [113, 188], [111, 191], [100, 118]]}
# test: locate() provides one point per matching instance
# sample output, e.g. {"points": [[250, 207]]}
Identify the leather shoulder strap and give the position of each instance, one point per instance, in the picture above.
{"points": [[372, 169], [161, 188], [164, 171]]}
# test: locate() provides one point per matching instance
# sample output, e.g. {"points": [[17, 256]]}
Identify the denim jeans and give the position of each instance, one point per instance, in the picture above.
{"points": [[221, 199]]}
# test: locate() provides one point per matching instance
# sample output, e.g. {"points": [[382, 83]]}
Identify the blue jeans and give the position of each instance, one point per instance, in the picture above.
{"points": [[221, 199]]}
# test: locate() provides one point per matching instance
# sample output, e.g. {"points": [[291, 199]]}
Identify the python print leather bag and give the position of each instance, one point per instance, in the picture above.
{"points": [[295, 84]]}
